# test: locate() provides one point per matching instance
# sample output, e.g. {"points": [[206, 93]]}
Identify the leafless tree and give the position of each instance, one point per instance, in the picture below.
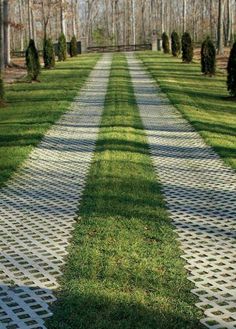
{"points": [[109, 22], [6, 36], [220, 42], [1, 39]]}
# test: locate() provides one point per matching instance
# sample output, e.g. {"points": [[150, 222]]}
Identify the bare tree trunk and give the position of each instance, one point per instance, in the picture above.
{"points": [[162, 17], [129, 21], [134, 21], [1, 39], [33, 26], [77, 20], [184, 15], [194, 22], [113, 22], [220, 41], [143, 23], [232, 21], [44, 22], [172, 18], [167, 17], [124, 24], [211, 19], [21, 23], [1, 50], [73, 12], [153, 17], [229, 21], [29, 20], [7, 50], [63, 21], [89, 22]]}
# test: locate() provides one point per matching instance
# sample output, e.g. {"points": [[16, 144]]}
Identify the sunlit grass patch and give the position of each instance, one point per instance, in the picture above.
{"points": [[32, 108], [204, 101], [124, 268]]}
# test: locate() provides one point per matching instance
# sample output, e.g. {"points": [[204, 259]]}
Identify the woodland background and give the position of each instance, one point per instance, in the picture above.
{"points": [[113, 22]]}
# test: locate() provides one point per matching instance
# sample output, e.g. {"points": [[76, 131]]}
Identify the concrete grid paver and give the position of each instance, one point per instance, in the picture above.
{"points": [[38, 207], [200, 193]]}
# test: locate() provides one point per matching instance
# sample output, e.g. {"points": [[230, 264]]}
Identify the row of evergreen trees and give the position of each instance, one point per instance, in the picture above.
{"points": [[208, 56], [33, 60], [185, 44], [32, 55]]}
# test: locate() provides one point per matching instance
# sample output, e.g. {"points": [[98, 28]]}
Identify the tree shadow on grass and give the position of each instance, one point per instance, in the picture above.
{"points": [[130, 202], [102, 312], [93, 311]]}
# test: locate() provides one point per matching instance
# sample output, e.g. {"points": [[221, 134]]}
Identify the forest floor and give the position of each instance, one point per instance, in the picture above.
{"points": [[16, 71], [222, 60], [204, 101]]}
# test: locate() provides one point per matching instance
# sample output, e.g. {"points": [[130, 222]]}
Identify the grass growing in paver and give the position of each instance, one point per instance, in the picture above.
{"points": [[124, 268], [32, 108], [204, 101]]}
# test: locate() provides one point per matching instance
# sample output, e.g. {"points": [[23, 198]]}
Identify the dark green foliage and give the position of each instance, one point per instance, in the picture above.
{"points": [[231, 69], [62, 48], [73, 47], [1, 91], [175, 44], [32, 61], [48, 54], [208, 57], [187, 48], [165, 43]]}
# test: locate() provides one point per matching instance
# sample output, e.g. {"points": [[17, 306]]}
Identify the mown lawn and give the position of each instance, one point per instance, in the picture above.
{"points": [[204, 101], [124, 268], [32, 108]]}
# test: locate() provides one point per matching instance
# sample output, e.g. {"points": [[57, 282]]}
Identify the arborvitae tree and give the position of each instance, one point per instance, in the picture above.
{"points": [[32, 61], [208, 57], [165, 43], [187, 48], [1, 91], [231, 69], [62, 48], [73, 47], [48, 54], [175, 44]]}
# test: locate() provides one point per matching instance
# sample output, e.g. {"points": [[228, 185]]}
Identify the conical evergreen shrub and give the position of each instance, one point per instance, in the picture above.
{"points": [[73, 47], [32, 61], [175, 44], [231, 69], [1, 91], [48, 54], [62, 48], [208, 57], [187, 48], [165, 43]]}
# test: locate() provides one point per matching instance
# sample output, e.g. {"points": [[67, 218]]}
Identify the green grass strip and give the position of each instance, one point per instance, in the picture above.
{"points": [[32, 108], [124, 268], [204, 101]]}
